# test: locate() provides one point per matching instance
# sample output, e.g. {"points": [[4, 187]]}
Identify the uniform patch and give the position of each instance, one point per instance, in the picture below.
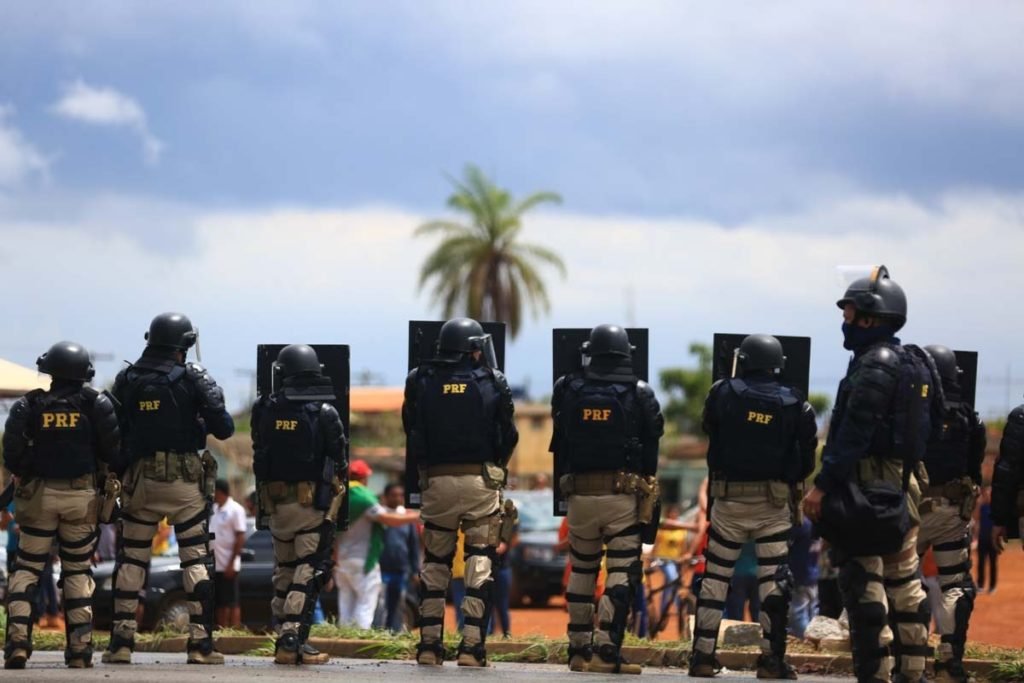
{"points": [[457, 388], [61, 420], [286, 425], [597, 414], [149, 406], [759, 418]]}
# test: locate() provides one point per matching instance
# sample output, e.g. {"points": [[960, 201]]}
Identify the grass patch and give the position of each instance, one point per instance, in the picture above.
{"points": [[535, 653], [1008, 671]]}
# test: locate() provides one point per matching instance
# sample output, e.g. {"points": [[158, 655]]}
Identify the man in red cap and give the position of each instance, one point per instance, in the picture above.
{"points": [[357, 555]]}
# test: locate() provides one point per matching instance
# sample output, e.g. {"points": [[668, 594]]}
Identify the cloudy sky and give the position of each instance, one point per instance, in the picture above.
{"points": [[261, 166]]}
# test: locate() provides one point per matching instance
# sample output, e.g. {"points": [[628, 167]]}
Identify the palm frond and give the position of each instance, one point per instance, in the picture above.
{"points": [[450, 228], [543, 254], [543, 197]]}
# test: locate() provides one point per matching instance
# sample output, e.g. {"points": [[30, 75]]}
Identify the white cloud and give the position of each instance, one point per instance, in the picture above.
{"points": [[19, 159], [103, 106], [349, 276]]}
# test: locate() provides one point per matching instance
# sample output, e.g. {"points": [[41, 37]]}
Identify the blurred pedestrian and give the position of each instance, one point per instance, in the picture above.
{"points": [[228, 527], [743, 590], [930, 579], [987, 555], [803, 564], [357, 555], [399, 561], [106, 546]]}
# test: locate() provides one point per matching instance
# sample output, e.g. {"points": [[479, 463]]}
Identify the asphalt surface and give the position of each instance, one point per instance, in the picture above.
{"points": [[49, 666]]}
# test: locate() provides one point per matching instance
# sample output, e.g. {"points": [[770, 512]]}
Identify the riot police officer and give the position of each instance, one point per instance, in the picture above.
{"points": [[877, 425], [953, 462], [458, 419], [1008, 480], [607, 425], [56, 444], [297, 436], [167, 408], [762, 442]]}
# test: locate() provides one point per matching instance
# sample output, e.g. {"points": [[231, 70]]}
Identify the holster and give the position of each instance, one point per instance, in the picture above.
{"points": [[28, 498], [509, 518], [108, 498], [495, 476], [338, 489], [209, 480]]}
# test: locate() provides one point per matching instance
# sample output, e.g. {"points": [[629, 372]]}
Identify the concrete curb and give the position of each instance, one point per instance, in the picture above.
{"points": [[827, 663]]}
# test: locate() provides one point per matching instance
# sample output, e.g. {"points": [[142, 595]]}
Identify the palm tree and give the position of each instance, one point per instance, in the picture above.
{"points": [[480, 269]]}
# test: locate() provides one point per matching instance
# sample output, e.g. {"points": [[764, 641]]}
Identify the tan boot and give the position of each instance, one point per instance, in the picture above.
{"points": [[121, 655], [80, 664], [197, 657], [579, 658], [310, 655], [17, 659], [202, 652], [703, 665], [609, 661], [286, 649], [430, 654]]}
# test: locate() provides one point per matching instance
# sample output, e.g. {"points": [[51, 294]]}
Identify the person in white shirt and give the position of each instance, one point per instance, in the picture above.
{"points": [[228, 526]]}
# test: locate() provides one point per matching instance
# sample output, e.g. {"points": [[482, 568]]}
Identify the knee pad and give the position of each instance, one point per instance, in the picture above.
{"points": [[784, 581], [203, 591], [853, 581], [866, 623]]}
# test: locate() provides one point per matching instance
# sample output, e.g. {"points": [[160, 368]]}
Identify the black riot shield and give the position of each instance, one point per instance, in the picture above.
{"points": [[422, 349], [967, 361], [565, 358], [796, 374], [335, 361]]}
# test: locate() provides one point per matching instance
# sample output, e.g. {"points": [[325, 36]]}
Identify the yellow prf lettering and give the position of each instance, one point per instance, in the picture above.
{"points": [[286, 425], [924, 391], [149, 406], [60, 420], [596, 414], [759, 418], [454, 389]]}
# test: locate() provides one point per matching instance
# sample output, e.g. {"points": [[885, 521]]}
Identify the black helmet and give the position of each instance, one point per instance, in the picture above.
{"points": [[878, 296], [945, 362], [760, 352], [66, 360], [297, 359], [458, 336], [608, 340], [173, 330]]}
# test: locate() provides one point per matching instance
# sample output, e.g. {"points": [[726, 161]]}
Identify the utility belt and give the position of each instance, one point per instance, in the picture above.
{"points": [[276, 493], [495, 476], [775, 491], [170, 466], [962, 492], [82, 483], [606, 483], [778, 493]]}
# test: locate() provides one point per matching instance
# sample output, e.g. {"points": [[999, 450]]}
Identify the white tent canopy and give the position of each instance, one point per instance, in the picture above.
{"points": [[16, 380]]}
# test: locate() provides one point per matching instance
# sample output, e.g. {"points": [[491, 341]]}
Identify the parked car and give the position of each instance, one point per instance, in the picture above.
{"points": [[537, 565]]}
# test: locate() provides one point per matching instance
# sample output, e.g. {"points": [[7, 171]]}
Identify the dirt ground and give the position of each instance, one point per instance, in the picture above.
{"points": [[996, 619]]}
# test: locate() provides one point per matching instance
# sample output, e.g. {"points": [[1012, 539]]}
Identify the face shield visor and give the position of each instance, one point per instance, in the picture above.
{"points": [[485, 345]]}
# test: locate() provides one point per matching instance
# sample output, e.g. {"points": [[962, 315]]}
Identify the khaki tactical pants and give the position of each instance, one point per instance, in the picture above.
{"points": [[949, 536], [595, 522], [448, 503], [734, 522], [879, 590], [183, 504], [301, 563], [54, 510]]}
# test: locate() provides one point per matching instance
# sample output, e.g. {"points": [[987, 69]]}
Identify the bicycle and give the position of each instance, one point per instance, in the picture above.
{"points": [[681, 602]]}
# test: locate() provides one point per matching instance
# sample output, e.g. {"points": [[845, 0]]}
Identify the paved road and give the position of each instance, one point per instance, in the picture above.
{"points": [[49, 666]]}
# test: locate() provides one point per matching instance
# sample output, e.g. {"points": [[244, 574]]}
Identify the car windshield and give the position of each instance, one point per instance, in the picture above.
{"points": [[535, 510]]}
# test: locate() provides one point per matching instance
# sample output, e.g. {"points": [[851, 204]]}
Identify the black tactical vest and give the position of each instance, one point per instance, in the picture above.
{"points": [[756, 435], [457, 408], [600, 428], [948, 451], [62, 434], [161, 412], [291, 447]]}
